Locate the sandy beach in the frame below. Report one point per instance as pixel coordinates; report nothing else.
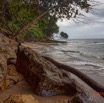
(53, 50)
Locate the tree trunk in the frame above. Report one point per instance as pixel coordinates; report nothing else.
(33, 21)
(28, 25)
(97, 87)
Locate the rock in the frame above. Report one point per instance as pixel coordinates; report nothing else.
(8, 47)
(11, 70)
(45, 78)
(7, 50)
(81, 98)
(21, 98)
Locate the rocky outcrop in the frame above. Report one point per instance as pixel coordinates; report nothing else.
(7, 50)
(7, 47)
(21, 98)
(45, 78)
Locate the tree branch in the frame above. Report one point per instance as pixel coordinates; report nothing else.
(36, 19)
(32, 22)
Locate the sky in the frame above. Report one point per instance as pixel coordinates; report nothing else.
(93, 28)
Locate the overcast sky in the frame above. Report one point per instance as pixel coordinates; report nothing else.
(92, 29)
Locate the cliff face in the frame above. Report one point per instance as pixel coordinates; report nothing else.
(7, 50)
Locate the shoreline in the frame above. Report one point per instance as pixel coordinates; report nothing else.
(49, 50)
(62, 58)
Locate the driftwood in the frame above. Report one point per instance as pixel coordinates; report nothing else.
(96, 86)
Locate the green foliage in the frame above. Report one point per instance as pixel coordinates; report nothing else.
(20, 13)
(17, 13)
(48, 25)
(64, 35)
(35, 31)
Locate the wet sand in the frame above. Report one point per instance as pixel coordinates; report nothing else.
(24, 88)
(16, 84)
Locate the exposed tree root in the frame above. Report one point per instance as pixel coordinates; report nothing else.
(96, 86)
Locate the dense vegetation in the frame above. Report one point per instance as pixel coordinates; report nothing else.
(19, 14)
(36, 18)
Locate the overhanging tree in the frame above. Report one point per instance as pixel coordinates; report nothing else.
(36, 9)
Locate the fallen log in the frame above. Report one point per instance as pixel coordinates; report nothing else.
(96, 86)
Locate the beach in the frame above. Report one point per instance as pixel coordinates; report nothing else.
(85, 55)
(74, 53)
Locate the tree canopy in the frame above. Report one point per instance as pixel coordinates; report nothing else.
(64, 35)
(21, 16)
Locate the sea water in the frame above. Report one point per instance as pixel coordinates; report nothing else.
(86, 55)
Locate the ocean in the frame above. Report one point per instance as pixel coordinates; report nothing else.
(90, 47)
(86, 55)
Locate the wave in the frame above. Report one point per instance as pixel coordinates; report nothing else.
(99, 42)
(83, 54)
(93, 65)
(90, 56)
(86, 63)
(73, 51)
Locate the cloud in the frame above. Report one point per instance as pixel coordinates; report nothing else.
(94, 28)
(64, 23)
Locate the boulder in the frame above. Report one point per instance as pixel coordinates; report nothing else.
(21, 98)
(81, 98)
(45, 78)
